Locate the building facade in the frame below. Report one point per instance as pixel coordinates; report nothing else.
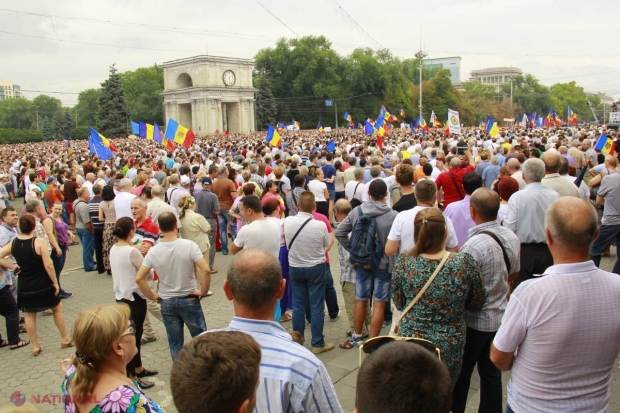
(9, 90)
(495, 75)
(453, 64)
(209, 94)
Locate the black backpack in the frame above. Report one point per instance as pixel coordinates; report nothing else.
(365, 248)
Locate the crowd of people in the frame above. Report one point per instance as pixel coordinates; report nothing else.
(472, 249)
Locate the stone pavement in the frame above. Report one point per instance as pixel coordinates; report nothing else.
(38, 377)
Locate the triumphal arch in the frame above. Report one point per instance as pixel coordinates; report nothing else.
(209, 93)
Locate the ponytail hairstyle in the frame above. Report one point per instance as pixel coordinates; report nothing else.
(429, 232)
(123, 227)
(185, 202)
(94, 332)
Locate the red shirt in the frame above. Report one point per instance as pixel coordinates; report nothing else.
(450, 192)
(322, 218)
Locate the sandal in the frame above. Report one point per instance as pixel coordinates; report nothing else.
(37, 351)
(74, 243)
(66, 345)
(213, 271)
(22, 343)
(286, 317)
(346, 345)
(4, 343)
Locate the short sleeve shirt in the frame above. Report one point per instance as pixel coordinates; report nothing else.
(147, 232)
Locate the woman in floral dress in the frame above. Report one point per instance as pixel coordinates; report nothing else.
(439, 314)
(96, 380)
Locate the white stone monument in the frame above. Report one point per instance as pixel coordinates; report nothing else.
(206, 92)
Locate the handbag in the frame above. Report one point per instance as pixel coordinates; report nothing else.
(422, 291)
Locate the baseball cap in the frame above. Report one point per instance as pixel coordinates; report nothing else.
(50, 180)
(2, 176)
(185, 180)
(206, 181)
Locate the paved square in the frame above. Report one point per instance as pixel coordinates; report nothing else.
(38, 377)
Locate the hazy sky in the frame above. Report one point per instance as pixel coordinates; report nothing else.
(67, 46)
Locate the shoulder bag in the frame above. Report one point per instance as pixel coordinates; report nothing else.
(297, 233)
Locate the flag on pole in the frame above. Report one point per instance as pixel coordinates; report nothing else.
(380, 142)
(319, 127)
(524, 121)
(179, 134)
(135, 128)
(157, 133)
(97, 146)
(331, 146)
(401, 112)
(368, 128)
(492, 128)
(273, 137)
(142, 128)
(572, 117)
(149, 131)
(69, 148)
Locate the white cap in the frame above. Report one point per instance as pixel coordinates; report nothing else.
(185, 180)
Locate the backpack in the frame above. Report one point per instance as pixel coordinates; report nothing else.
(365, 248)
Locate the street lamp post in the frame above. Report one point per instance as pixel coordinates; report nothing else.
(37, 118)
(420, 55)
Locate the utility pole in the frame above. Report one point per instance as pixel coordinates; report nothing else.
(76, 118)
(420, 55)
(511, 112)
(336, 112)
(37, 118)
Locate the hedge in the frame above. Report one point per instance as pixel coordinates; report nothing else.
(20, 136)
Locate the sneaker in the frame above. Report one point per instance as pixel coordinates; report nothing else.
(325, 348)
(48, 312)
(147, 373)
(225, 252)
(65, 294)
(147, 340)
(209, 293)
(145, 384)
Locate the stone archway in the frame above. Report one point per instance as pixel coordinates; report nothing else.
(184, 81)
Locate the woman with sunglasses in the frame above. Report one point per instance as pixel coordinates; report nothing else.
(125, 260)
(95, 378)
(439, 314)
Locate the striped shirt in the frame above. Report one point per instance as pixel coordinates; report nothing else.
(147, 232)
(488, 255)
(565, 327)
(93, 211)
(292, 379)
(348, 273)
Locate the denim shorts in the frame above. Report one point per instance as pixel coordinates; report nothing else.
(375, 283)
(332, 194)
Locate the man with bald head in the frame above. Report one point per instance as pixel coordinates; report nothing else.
(291, 377)
(514, 167)
(496, 251)
(552, 177)
(450, 182)
(564, 325)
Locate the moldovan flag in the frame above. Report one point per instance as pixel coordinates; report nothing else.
(69, 148)
(179, 134)
(149, 132)
(273, 137)
(605, 145)
(453, 122)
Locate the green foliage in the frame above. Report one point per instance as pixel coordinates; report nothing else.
(87, 107)
(20, 135)
(45, 124)
(46, 106)
(80, 133)
(266, 107)
(59, 127)
(69, 125)
(528, 94)
(113, 113)
(563, 95)
(143, 89)
(16, 113)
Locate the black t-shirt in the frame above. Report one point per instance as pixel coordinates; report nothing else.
(406, 202)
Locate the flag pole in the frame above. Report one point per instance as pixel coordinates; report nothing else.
(420, 55)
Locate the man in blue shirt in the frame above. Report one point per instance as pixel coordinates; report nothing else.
(329, 172)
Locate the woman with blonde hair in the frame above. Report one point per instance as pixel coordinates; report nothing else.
(194, 227)
(437, 313)
(141, 181)
(95, 379)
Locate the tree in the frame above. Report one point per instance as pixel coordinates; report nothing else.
(266, 107)
(46, 128)
(528, 94)
(87, 107)
(113, 113)
(563, 95)
(59, 126)
(69, 126)
(15, 113)
(45, 106)
(143, 88)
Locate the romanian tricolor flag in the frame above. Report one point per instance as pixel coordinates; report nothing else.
(605, 145)
(295, 123)
(423, 124)
(179, 134)
(401, 112)
(435, 123)
(150, 132)
(69, 148)
(549, 120)
(572, 117)
(319, 127)
(273, 137)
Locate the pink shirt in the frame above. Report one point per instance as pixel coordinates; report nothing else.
(322, 218)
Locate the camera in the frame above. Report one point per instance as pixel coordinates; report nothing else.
(461, 147)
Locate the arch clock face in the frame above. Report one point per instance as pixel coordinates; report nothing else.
(229, 78)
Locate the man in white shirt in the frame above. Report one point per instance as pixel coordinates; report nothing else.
(89, 183)
(175, 259)
(175, 196)
(514, 167)
(375, 173)
(563, 325)
(525, 217)
(260, 233)
(122, 202)
(355, 188)
(553, 179)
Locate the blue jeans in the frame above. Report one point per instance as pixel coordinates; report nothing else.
(88, 248)
(331, 299)
(179, 311)
(309, 290)
(508, 409)
(59, 263)
(224, 218)
(606, 235)
(373, 283)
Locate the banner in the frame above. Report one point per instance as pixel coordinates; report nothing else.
(454, 122)
(614, 117)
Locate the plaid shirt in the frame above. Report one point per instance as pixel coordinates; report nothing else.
(39, 232)
(347, 271)
(259, 180)
(488, 255)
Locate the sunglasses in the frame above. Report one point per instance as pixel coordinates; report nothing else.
(371, 345)
(131, 330)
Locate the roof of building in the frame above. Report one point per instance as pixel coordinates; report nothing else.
(220, 59)
(494, 70)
